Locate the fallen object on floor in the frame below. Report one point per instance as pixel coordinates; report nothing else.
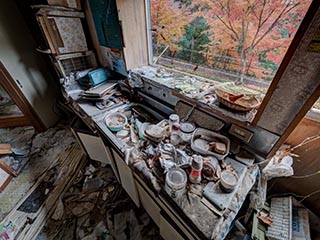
(59, 175)
(5, 148)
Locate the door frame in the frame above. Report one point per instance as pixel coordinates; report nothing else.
(29, 117)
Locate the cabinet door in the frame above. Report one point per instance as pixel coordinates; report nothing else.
(126, 178)
(149, 204)
(168, 231)
(132, 15)
(113, 164)
(95, 147)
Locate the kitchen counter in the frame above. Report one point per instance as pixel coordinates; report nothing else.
(192, 213)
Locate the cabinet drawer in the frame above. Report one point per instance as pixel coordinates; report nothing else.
(149, 204)
(126, 178)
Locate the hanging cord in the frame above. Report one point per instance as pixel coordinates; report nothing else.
(306, 176)
(306, 141)
(304, 197)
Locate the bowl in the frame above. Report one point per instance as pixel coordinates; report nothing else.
(154, 133)
(228, 181)
(115, 121)
(245, 103)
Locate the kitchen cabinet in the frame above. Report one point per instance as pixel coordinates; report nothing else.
(168, 230)
(126, 178)
(149, 204)
(93, 145)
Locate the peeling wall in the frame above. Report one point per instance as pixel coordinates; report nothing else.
(24, 63)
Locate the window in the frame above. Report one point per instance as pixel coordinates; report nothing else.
(316, 105)
(314, 112)
(239, 41)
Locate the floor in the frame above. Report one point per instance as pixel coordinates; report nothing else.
(91, 206)
(7, 106)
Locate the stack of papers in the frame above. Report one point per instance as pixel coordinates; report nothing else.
(100, 92)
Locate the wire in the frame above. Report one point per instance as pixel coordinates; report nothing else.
(304, 197)
(309, 195)
(306, 176)
(285, 194)
(306, 141)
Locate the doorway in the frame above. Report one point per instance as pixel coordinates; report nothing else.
(15, 110)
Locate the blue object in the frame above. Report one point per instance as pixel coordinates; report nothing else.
(120, 67)
(95, 77)
(98, 76)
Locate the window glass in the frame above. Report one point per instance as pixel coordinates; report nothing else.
(239, 41)
(317, 105)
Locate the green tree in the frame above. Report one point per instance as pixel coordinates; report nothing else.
(194, 40)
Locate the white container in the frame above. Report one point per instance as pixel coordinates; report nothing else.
(176, 180)
(173, 119)
(201, 132)
(186, 131)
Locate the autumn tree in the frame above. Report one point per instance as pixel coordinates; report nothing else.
(169, 19)
(252, 27)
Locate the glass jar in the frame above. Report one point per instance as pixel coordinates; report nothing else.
(175, 183)
(186, 131)
(173, 120)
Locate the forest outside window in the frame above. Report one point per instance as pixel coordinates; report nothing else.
(237, 45)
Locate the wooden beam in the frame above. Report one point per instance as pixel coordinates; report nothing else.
(287, 58)
(93, 33)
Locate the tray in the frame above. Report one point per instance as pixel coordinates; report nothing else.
(209, 135)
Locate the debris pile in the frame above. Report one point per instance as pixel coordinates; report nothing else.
(96, 207)
(32, 153)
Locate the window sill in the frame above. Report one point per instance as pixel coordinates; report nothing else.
(186, 85)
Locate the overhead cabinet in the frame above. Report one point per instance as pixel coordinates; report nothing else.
(63, 30)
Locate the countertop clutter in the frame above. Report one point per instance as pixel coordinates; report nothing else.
(193, 170)
(188, 167)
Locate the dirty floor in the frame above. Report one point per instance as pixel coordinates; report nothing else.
(92, 206)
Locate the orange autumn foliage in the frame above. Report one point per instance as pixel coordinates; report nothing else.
(168, 22)
(252, 27)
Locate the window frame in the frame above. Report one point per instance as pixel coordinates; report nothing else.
(313, 114)
(274, 83)
(308, 20)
